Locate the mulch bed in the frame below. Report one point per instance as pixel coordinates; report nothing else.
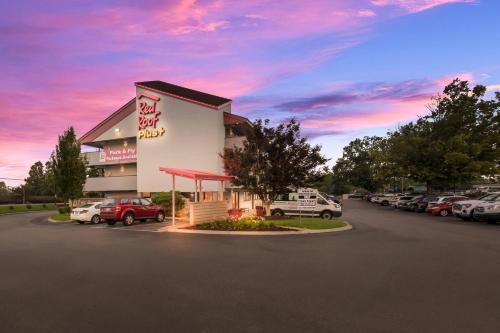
(271, 228)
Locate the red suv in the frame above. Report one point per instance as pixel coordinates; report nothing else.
(129, 209)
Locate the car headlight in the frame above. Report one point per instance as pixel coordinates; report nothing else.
(466, 205)
(492, 207)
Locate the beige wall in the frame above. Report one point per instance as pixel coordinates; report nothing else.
(127, 129)
(193, 139)
(200, 212)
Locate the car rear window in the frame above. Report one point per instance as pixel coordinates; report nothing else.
(109, 202)
(86, 206)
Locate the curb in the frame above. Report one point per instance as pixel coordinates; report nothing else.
(56, 221)
(300, 231)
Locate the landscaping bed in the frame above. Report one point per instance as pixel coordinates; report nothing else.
(11, 209)
(242, 224)
(259, 224)
(60, 217)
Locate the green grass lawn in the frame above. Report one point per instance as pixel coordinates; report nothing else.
(60, 217)
(310, 223)
(9, 209)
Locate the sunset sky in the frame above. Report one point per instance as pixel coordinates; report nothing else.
(344, 68)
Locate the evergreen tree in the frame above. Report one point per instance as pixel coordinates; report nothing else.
(35, 182)
(69, 167)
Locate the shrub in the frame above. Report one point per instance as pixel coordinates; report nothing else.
(28, 206)
(44, 206)
(64, 210)
(244, 223)
(164, 199)
(11, 207)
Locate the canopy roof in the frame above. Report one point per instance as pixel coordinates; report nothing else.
(195, 174)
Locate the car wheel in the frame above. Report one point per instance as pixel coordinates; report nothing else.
(472, 218)
(443, 212)
(160, 217)
(128, 219)
(326, 215)
(96, 219)
(81, 222)
(111, 222)
(277, 212)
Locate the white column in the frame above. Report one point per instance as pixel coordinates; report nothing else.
(173, 199)
(195, 190)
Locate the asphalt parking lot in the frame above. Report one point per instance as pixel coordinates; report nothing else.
(395, 272)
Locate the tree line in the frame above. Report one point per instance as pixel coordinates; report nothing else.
(62, 177)
(454, 144)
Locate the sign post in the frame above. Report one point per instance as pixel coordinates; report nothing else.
(308, 199)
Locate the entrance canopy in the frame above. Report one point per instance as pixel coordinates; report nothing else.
(195, 174)
(198, 177)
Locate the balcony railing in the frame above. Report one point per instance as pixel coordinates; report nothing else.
(107, 184)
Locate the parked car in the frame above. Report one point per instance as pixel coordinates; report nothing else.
(402, 201)
(488, 211)
(376, 198)
(421, 204)
(465, 209)
(412, 205)
(386, 199)
(356, 195)
(441, 199)
(129, 209)
(288, 205)
(444, 208)
(87, 213)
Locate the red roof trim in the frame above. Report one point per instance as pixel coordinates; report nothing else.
(144, 94)
(195, 174)
(214, 107)
(231, 119)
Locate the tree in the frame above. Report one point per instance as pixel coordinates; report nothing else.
(164, 199)
(358, 164)
(455, 143)
(35, 183)
(69, 167)
(273, 160)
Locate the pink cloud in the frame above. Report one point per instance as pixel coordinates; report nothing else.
(415, 6)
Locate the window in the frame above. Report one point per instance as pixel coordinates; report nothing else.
(136, 202)
(247, 196)
(109, 202)
(97, 206)
(322, 201)
(124, 201)
(146, 202)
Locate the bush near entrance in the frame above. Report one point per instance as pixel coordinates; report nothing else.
(164, 199)
(241, 224)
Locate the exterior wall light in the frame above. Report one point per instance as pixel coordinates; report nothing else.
(117, 130)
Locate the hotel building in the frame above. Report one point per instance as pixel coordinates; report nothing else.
(164, 125)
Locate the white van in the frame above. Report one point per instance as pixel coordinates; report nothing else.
(306, 203)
